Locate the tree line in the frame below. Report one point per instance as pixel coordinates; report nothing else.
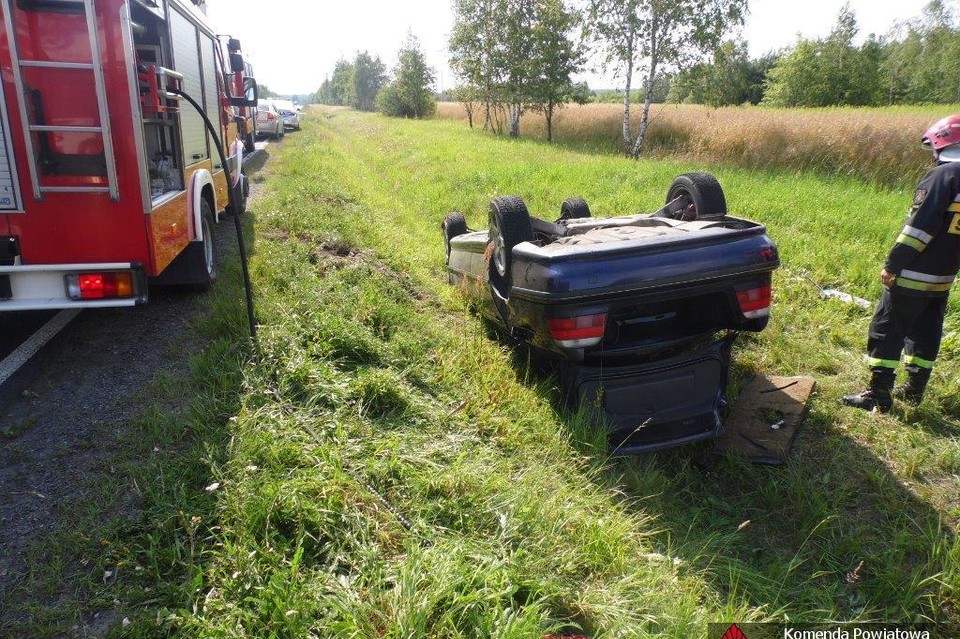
(365, 84)
(918, 61)
(519, 56)
(515, 56)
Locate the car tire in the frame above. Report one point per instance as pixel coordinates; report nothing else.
(574, 208)
(509, 226)
(454, 224)
(704, 192)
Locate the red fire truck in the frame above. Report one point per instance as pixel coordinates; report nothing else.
(108, 179)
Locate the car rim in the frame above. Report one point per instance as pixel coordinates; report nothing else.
(499, 251)
(692, 207)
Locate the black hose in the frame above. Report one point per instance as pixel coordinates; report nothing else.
(234, 206)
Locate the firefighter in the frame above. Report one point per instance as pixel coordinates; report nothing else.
(917, 277)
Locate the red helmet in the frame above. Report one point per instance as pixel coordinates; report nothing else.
(942, 133)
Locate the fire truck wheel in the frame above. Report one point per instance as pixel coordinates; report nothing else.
(204, 266)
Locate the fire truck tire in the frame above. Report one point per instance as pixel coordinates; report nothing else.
(203, 269)
(242, 193)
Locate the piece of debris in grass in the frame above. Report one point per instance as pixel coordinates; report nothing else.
(743, 525)
(853, 576)
(847, 298)
(456, 409)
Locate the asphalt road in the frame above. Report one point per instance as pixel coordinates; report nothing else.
(17, 327)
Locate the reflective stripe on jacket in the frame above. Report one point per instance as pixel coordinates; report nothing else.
(926, 256)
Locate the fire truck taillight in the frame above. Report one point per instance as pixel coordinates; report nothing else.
(579, 331)
(100, 286)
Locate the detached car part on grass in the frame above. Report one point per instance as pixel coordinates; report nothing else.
(641, 311)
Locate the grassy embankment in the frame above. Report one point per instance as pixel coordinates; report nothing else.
(507, 518)
(374, 373)
(879, 145)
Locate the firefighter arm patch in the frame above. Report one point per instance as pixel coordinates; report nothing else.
(919, 197)
(954, 224)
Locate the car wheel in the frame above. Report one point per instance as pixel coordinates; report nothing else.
(509, 226)
(704, 194)
(250, 142)
(574, 208)
(454, 224)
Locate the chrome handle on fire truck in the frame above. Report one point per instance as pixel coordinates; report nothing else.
(65, 129)
(44, 64)
(170, 73)
(75, 189)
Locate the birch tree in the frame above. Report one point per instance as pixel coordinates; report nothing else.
(557, 57)
(477, 49)
(657, 36)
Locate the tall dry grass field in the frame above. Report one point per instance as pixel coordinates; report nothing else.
(877, 145)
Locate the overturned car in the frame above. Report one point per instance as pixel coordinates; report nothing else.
(640, 311)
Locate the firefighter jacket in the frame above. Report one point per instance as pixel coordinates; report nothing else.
(926, 255)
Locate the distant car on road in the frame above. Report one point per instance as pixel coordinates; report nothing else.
(269, 120)
(290, 113)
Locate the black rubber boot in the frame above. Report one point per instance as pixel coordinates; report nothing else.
(912, 391)
(878, 396)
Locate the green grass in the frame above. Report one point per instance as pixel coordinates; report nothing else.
(385, 468)
(519, 521)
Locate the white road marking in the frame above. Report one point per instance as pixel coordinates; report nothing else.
(35, 342)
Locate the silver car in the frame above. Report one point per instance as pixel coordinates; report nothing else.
(290, 113)
(269, 120)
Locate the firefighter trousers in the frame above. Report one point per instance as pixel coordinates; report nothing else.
(909, 324)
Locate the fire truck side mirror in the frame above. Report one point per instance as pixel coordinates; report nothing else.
(251, 93)
(233, 45)
(236, 63)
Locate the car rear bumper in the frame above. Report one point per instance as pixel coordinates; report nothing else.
(655, 405)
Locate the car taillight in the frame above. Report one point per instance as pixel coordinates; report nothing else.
(755, 302)
(579, 331)
(270, 116)
(98, 286)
